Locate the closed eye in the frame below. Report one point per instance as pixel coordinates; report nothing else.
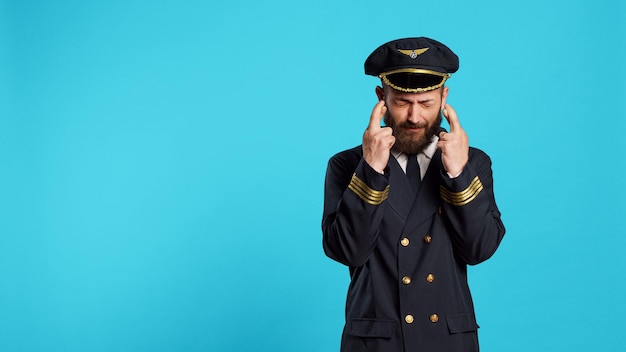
(427, 103)
(401, 102)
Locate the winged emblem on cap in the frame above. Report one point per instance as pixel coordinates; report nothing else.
(413, 53)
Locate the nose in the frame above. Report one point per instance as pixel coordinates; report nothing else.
(414, 113)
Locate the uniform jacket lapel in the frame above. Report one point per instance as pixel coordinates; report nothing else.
(427, 200)
(400, 194)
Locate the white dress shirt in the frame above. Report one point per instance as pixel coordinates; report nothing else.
(423, 158)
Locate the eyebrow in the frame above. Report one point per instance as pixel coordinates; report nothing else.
(422, 101)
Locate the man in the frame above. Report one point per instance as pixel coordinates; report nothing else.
(409, 209)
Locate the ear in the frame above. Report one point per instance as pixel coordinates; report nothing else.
(380, 93)
(444, 96)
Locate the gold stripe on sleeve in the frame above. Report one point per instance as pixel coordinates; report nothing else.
(463, 197)
(366, 193)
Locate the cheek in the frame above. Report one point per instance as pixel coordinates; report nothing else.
(393, 115)
(432, 114)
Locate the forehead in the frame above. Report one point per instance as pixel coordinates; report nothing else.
(421, 96)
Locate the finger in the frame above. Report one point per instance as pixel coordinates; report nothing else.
(387, 131)
(452, 118)
(377, 115)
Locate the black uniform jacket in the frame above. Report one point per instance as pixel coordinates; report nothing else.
(408, 254)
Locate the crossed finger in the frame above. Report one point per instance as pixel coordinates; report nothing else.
(377, 115)
(452, 118)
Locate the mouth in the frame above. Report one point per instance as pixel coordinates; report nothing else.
(413, 128)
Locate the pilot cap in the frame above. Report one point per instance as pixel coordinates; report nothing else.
(412, 64)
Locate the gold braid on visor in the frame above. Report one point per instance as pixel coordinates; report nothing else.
(417, 71)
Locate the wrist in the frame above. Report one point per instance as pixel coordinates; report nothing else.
(376, 166)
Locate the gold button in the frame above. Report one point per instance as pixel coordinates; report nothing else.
(404, 242)
(406, 280)
(428, 239)
(434, 318)
(430, 278)
(409, 319)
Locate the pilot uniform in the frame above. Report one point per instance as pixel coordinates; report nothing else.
(407, 251)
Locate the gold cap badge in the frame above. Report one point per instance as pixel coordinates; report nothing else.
(413, 53)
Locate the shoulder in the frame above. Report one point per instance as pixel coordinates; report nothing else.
(478, 155)
(347, 157)
(342, 165)
(479, 161)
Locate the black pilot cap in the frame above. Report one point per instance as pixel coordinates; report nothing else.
(412, 64)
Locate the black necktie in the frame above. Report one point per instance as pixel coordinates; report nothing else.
(413, 172)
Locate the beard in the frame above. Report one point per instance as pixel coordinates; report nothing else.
(407, 142)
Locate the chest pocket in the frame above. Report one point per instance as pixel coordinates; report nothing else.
(460, 323)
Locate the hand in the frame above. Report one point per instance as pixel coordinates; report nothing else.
(377, 141)
(454, 146)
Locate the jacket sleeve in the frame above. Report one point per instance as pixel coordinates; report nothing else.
(471, 211)
(354, 203)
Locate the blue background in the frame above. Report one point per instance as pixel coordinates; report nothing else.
(162, 165)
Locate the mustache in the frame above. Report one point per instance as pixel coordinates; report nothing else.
(407, 124)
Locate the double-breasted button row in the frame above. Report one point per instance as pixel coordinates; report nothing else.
(409, 319)
(407, 279)
(405, 241)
